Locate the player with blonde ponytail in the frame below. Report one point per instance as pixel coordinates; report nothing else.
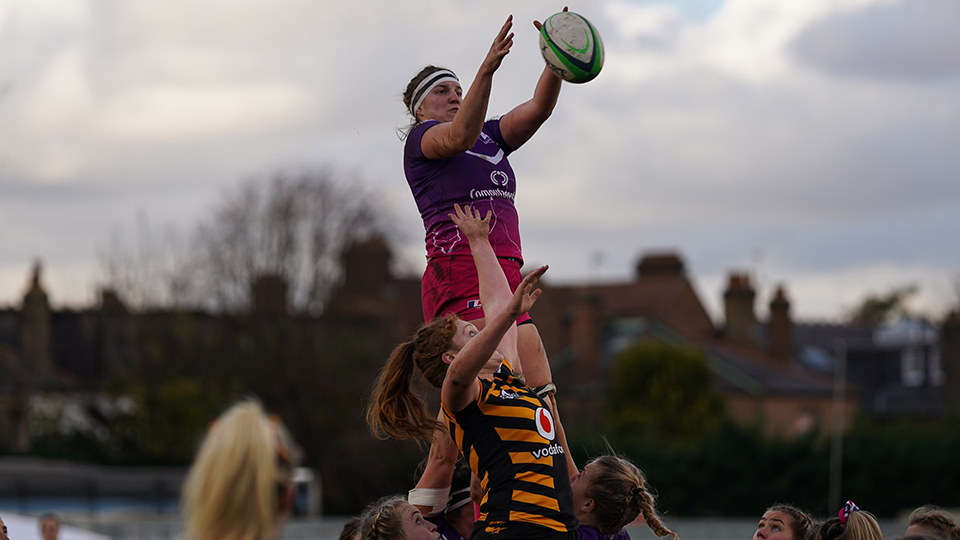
(608, 495)
(240, 484)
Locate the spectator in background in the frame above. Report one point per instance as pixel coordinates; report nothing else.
(49, 526)
(930, 520)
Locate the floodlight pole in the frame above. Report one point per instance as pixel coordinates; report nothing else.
(839, 416)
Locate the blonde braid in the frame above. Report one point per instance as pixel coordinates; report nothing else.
(381, 520)
(650, 515)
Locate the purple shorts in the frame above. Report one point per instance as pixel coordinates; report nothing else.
(450, 285)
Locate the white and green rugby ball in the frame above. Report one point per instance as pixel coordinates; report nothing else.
(571, 47)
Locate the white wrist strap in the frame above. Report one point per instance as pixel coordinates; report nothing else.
(433, 498)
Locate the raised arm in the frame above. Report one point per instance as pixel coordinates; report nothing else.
(518, 125)
(460, 384)
(448, 139)
(495, 291)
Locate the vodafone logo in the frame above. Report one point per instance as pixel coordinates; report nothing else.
(499, 178)
(544, 422)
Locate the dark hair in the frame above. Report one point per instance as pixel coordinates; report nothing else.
(620, 494)
(800, 521)
(460, 484)
(350, 529)
(860, 526)
(395, 410)
(382, 520)
(938, 519)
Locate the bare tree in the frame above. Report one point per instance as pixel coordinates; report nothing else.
(150, 269)
(289, 225)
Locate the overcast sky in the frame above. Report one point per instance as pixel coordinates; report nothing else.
(814, 143)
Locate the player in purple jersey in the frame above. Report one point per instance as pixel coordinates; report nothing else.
(453, 156)
(608, 495)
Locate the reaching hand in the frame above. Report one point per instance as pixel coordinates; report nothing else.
(500, 48)
(537, 24)
(526, 294)
(468, 220)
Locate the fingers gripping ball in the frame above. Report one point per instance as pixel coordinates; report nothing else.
(571, 46)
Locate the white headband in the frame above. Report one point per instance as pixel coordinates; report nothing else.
(427, 84)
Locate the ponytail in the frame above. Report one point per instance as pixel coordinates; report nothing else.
(646, 502)
(395, 411)
(620, 495)
(859, 525)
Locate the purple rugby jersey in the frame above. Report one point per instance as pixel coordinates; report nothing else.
(481, 177)
(586, 532)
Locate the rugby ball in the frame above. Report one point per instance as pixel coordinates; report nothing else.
(571, 47)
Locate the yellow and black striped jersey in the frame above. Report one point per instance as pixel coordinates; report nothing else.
(509, 439)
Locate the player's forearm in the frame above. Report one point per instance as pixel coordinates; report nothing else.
(495, 291)
(468, 123)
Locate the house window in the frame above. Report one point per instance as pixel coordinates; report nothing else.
(911, 367)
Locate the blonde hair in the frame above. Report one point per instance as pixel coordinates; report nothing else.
(383, 519)
(620, 494)
(243, 467)
(860, 525)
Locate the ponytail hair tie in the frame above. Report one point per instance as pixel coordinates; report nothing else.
(637, 490)
(844, 512)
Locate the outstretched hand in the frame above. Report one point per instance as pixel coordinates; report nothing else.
(500, 47)
(526, 294)
(537, 24)
(470, 223)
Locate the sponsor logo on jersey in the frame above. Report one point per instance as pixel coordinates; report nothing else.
(471, 304)
(491, 193)
(544, 421)
(549, 450)
(499, 178)
(494, 159)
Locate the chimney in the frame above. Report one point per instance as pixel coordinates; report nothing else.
(35, 333)
(269, 295)
(663, 264)
(366, 265)
(780, 328)
(110, 302)
(738, 309)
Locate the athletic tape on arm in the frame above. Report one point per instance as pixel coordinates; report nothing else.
(433, 498)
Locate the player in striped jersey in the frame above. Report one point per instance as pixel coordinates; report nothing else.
(504, 429)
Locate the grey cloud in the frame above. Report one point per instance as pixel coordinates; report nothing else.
(911, 39)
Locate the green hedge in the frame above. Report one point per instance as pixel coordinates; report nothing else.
(738, 471)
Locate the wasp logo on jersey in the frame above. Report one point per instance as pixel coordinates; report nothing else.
(506, 394)
(544, 421)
